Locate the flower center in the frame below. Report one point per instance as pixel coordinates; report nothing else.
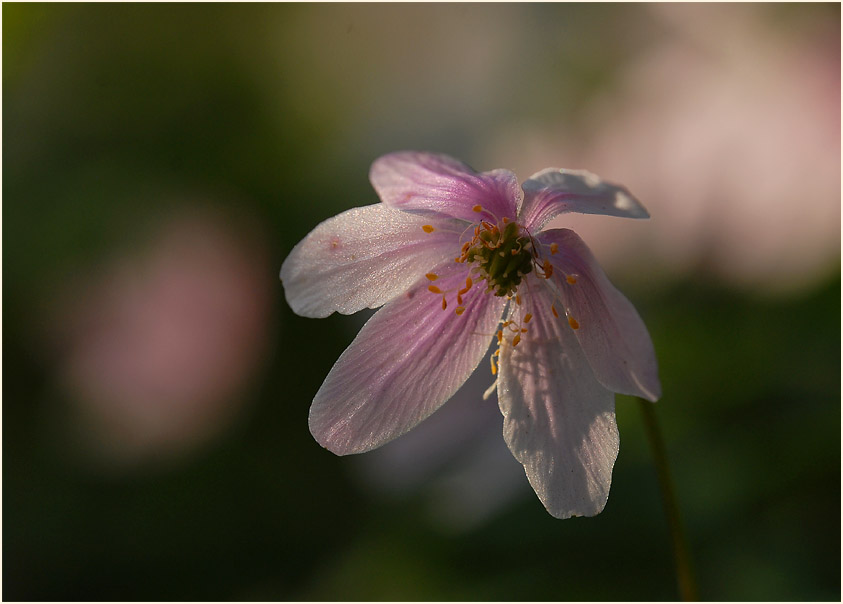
(501, 254)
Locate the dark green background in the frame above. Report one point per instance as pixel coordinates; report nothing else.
(105, 106)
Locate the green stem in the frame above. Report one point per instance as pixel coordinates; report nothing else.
(684, 574)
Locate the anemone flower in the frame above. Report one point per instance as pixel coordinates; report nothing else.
(459, 260)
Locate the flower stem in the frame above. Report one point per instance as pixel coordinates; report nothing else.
(684, 573)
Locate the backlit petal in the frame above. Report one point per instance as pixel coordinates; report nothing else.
(555, 191)
(428, 182)
(409, 359)
(559, 422)
(612, 334)
(363, 258)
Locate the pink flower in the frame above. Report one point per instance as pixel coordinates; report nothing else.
(458, 259)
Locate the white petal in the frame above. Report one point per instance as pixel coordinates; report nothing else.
(559, 422)
(555, 191)
(409, 359)
(363, 258)
(611, 333)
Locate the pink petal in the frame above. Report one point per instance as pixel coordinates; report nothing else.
(416, 181)
(363, 258)
(611, 333)
(555, 191)
(409, 359)
(559, 422)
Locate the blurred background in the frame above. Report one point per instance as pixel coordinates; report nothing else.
(160, 161)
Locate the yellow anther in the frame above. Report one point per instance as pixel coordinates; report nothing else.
(518, 299)
(573, 323)
(553, 309)
(554, 248)
(428, 229)
(500, 336)
(444, 303)
(468, 283)
(434, 289)
(515, 340)
(494, 367)
(477, 208)
(432, 276)
(505, 220)
(571, 279)
(527, 317)
(459, 298)
(460, 310)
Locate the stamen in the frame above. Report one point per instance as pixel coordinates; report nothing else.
(503, 254)
(553, 309)
(459, 299)
(494, 367)
(434, 289)
(477, 208)
(515, 340)
(518, 299)
(444, 303)
(573, 323)
(527, 317)
(460, 310)
(554, 248)
(500, 336)
(490, 390)
(571, 279)
(432, 276)
(468, 283)
(428, 228)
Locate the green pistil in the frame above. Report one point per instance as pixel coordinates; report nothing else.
(503, 259)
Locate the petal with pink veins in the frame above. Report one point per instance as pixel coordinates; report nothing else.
(363, 258)
(559, 421)
(427, 182)
(408, 359)
(610, 330)
(555, 191)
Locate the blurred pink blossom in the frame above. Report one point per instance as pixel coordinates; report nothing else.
(732, 140)
(161, 344)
